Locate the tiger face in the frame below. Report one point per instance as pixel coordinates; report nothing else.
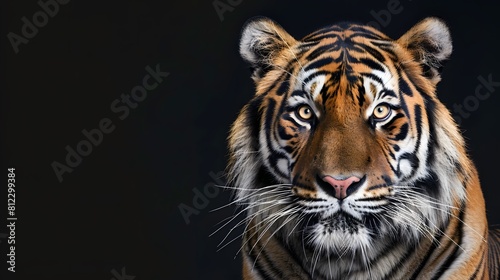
(345, 149)
(346, 140)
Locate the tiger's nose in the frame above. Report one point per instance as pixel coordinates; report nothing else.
(344, 186)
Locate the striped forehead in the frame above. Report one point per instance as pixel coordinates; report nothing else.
(345, 58)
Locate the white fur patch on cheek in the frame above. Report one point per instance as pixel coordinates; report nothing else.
(283, 165)
(302, 123)
(405, 167)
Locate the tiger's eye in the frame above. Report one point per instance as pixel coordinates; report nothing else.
(381, 112)
(305, 112)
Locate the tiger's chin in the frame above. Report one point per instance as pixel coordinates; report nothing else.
(341, 234)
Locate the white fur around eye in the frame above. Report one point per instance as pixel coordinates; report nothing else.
(315, 86)
(300, 121)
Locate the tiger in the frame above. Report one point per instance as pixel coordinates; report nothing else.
(346, 163)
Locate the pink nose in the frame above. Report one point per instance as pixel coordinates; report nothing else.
(340, 186)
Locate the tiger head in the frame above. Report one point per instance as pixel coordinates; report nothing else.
(345, 147)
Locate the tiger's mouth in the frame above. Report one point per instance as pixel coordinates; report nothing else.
(342, 222)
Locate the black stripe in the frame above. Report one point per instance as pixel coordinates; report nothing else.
(282, 133)
(375, 198)
(252, 256)
(324, 36)
(277, 273)
(372, 64)
(392, 167)
(269, 116)
(447, 264)
(383, 43)
(305, 46)
(274, 155)
(278, 81)
(418, 88)
(303, 186)
(319, 63)
(265, 178)
(396, 117)
(374, 52)
(300, 93)
(397, 268)
(365, 31)
(404, 87)
(388, 92)
(431, 250)
(387, 180)
(456, 252)
(432, 145)
(322, 50)
(474, 275)
(392, 155)
(327, 29)
(429, 185)
(356, 49)
(387, 47)
(292, 253)
(289, 149)
(387, 251)
(403, 132)
(370, 35)
(403, 101)
(253, 119)
(373, 77)
(315, 74)
(494, 253)
(290, 119)
(419, 124)
(361, 95)
(283, 88)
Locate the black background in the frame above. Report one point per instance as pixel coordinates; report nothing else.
(119, 208)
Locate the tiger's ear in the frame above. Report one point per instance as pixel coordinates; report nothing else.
(429, 42)
(262, 40)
